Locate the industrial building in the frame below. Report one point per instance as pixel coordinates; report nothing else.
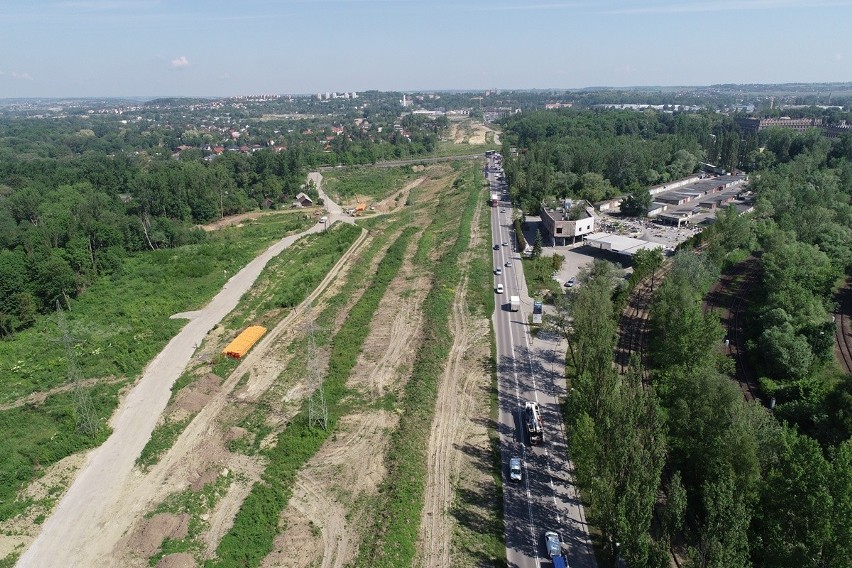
(619, 244)
(567, 221)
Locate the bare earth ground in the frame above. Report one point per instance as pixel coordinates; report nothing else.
(395, 202)
(252, 215)
(205, 440)
(468, 132)
(320, 525)
(459, 451)
(200, 456)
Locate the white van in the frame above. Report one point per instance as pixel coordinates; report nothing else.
(499, 288)
(323, 220)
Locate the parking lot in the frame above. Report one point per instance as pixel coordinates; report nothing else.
(579, 256)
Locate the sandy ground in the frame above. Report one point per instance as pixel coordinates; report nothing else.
(459, 438)
(232, 220)
(321, 524)
(396, 202)
(108, 492)
(469, 132)
(323, 512)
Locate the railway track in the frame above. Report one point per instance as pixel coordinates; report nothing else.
(843, 328)
(734, 286)
(736, 344)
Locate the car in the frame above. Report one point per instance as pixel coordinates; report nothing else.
(498, 271)
(515, 470)
(505, 244)
(496, 247)
(571, 282)
(553, 543)
(499, 288)
(508, 264)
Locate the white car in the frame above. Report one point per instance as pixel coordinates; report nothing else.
(499, 288)
(508, 264)
(498, 271)
(515, 470)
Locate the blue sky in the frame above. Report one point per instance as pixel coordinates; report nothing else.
(72, 48)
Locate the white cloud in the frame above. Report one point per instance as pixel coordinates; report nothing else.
(838, 57)
(24, 76)
(180, 62)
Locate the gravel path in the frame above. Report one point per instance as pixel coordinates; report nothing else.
(80, 517)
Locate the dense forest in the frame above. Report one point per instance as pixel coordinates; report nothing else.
(743, 485)
(79, 193)
(596, 155)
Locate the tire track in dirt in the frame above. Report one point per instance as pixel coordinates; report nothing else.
(320, 523)
(201, 439)
(449, 428)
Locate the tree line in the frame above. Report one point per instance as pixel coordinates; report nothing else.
(680, 460)
(69, 217)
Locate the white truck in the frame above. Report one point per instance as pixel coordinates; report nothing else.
(532, 420)
(514, 303)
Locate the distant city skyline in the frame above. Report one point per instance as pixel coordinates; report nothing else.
(147, 48)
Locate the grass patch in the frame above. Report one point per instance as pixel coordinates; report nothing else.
(539, 275)
(162, 438)
(393, 540)
(363, 182)
(194, 504)
(122, 321)
(291, 276)
(256, 524)
(10, 560)
(37, 436)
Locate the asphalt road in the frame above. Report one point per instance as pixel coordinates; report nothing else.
(531, 369)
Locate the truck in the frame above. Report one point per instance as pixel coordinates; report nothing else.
(532, 421)
(538, 308)
(553, 544)
(514, 303)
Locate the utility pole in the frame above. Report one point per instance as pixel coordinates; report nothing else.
(317, 409)
(84, 410)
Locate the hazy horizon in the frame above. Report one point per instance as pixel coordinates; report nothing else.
(217, 48)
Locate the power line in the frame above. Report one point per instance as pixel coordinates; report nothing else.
(84, 410)
(317, 409)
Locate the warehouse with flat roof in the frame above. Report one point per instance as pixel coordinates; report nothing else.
(619, 244)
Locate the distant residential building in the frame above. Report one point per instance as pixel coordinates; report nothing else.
(303, 200)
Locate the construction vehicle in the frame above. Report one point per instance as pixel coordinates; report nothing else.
(514, 303)
(532, 420)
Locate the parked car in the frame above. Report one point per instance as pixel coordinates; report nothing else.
(571, 282)
(515, 471)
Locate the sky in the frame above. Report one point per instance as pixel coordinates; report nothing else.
(150, 48)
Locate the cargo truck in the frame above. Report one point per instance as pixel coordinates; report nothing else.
(514, 303)
(535, 430)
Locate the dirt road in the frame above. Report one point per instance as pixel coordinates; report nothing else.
(71, 536)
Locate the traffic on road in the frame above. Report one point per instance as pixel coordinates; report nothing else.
(545, 522)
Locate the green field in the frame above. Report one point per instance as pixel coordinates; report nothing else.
(117, 326)
(366, 182)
